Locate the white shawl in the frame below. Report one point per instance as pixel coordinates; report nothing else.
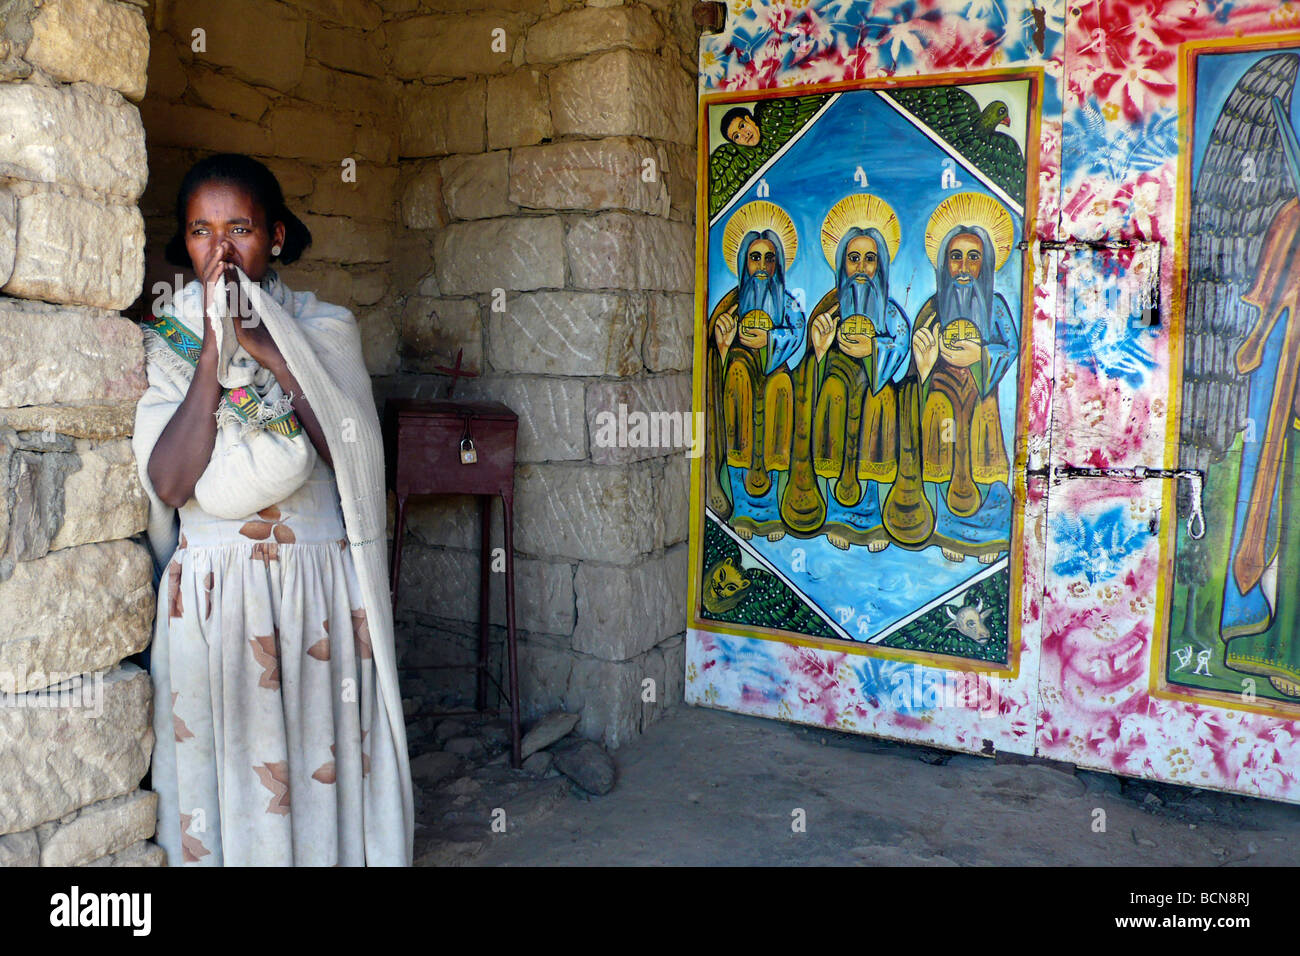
(322, 347)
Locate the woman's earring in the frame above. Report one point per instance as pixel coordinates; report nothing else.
(275, 250)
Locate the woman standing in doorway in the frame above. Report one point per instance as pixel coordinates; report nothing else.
(278, 720)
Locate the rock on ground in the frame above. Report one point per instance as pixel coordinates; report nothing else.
(554, 726)
(588, 765)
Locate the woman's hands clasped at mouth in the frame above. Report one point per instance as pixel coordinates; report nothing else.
(250, 331)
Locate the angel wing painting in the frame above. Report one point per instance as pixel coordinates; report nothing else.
(752, 138)
(1241, 388)
(978, 134)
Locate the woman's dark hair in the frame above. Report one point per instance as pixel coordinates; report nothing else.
(259, 182)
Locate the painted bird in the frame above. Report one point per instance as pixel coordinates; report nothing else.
(977, 134)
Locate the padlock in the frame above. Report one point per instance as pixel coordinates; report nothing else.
(468, 454)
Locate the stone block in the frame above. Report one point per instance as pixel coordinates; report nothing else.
(58, 759)
(679, 173)
(296, 179)
(192, 127)
(264, 43)
(344, 49)
(669, 333)
(608, 694)
(103, 499)
(513, 254)
(620, 172)
(528, 8)
(588, 512)
(98, 422)
(97, 41)
(675, 497)
(434, 330)
(452, 46)
(330, 283)
(365, 14)
(476, 187)
(339, 92)
(77, 251)
(304, 133)
(20, 849)
(99, 830)
(518, 110)
(625, 611)
(422, 203)
(450, 521)
(228, 95)
(167, 77)
(641, 418)
(581, 32)
(371, 196)
(8, 234)
(74, 611)
(438, 120)
(340, 239)
(446, 582)
(143, 853)
(56, 355)
(566, 333)
(551, 424)
(412, 264)
(368, 287)
(379, 341)
(618, 250)
(33, 469)
(78, 135)
(622, 93)
(376, 145)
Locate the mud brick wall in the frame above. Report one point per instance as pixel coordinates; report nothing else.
(306, 88)
(76, 593)
(546, 192)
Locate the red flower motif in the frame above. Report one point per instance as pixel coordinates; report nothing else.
(182, 732)
(266, 651)
(192, 849)
(275, 777)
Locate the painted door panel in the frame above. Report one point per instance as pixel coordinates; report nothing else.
(1128, 648)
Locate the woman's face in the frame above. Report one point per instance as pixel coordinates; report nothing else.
(220, 212)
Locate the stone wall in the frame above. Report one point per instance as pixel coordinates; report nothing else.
(76, 593)
(523, 190)
(547, 190)
(306, 88)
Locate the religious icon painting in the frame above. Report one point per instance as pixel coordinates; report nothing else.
(862, 348)
(1230, 611)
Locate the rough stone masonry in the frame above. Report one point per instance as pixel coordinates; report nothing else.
(547, 190)
(76, 593)
(521, 189)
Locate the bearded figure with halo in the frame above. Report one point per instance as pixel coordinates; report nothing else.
(846, 435)
(757, 334)
(951, 490)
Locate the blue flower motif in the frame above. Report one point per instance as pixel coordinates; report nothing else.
(1096, 548)
(1116, 148)
(1113, 345)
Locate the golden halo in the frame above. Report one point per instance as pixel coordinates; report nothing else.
(864, 211)
(971, 209)
(755, 217)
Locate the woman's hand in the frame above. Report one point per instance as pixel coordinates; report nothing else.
(218, 266)
(251, 332)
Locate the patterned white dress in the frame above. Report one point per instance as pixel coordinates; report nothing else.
(273, 747)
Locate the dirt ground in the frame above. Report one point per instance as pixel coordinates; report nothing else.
(703, 787)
